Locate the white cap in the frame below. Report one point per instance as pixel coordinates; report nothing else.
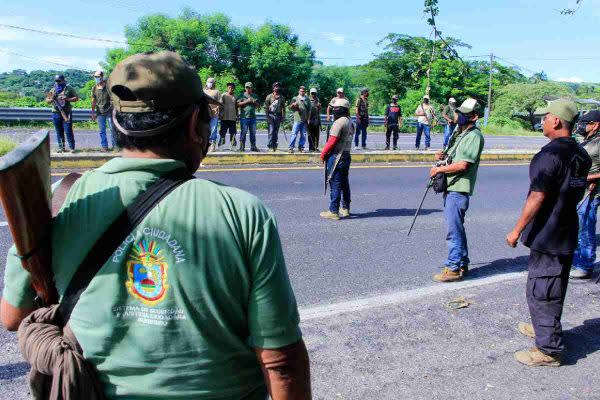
(313, 90)
(425, 97)
(340, 90)
(210, 80)
(452, 100)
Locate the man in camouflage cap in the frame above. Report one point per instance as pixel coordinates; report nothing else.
(201, 281)
(548, 226)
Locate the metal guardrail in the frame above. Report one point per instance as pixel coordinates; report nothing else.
(81, 114)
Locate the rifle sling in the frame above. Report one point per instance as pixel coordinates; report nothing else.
(116, 233)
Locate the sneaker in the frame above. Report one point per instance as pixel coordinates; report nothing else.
(395, 147)
(344, 213)
(427, 148)
(71, 151)
(213, 147)
(291, 150)
(535, 358)
(364, 147)
(274, 150)
(104, 150)
(387, 148)
(577, 273)
(356, 148)
(60, 150)
(255, 149)
(300, 150)
(526, 329)
(448, 275)
(330, 215)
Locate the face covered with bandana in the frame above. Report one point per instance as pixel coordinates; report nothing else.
(464, 119)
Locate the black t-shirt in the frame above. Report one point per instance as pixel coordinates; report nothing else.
(393, 112)
(559, 170)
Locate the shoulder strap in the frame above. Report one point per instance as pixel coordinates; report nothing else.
(116, 233)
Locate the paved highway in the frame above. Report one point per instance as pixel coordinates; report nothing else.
(375, 324)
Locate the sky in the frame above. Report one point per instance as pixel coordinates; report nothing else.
(531, 34)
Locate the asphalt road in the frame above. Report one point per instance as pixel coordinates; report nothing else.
(374, 322)
(86, 139)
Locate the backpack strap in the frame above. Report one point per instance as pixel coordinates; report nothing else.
(116, 233)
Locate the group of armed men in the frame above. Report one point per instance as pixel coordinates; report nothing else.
(197, 303)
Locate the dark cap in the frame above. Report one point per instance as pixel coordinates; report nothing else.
(59, 78)
(591, 116)
(151, 82)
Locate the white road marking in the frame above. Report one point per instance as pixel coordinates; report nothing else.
(345, 307)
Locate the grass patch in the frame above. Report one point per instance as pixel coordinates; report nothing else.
(6, 146)
(495, 130)
(87, 125)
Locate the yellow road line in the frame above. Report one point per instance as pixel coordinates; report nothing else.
(309, 168)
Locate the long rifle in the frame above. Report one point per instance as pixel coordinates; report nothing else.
(420, 206)
(66, 118)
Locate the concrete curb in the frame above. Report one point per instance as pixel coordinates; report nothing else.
(93, 160)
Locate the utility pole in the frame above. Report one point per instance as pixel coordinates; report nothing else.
(488, 109)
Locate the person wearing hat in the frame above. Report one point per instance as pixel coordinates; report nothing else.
(392, 122)
(202, 277)
(425, 118)
(229, 115)
(461, 158)
(588, 136)
(336, 156)
(275, 109)
(102, 110)
(61, 96)
(548, 226)
(215, 110)
(362, 118)
(248, 103)
(314, 121)
(449, 114)
(339, 95)
(301, 107)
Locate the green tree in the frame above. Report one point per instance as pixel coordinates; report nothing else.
(328, 78)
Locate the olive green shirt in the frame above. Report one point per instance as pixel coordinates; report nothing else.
(466, 146)
(229, 111)
(275, 105)
(177, 309)
(449, 112)
(67, 93)
(303, 110)
(592, 146)
(248, 111)
(102, 98)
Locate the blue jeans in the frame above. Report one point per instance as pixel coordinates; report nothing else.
(456, 205)
(248, 124)
(448, 130)
(339, 182)
(102, 121)
(299, 127)
(585, 254)
(361, 130)
(420, 129)
(62, 127)
(214, 125)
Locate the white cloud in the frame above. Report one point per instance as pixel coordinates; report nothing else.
(336, 38)
(369, 20)
(572, 79)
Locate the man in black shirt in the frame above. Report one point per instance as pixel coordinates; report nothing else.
(549, 225)
(393, 121)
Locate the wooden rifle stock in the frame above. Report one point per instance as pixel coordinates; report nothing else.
(26, 197)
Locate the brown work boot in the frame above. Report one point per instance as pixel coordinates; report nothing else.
(344, 213)
(526, 329)
(447, 275)
(330, 215)
(535, 358)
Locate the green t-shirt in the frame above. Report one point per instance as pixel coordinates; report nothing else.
(102, 97)
(68, 92)
(248, 111)
(467, 149)
(301, 113)
(175, 312)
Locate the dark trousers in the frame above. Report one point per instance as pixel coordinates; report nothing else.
(339, 182)
(546, 290)
(274, 124)
(63, 127)
(313, 136)
(361, 130)
(228, 126)
(391, 129)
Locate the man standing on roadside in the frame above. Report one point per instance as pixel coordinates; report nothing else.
(362, 118)
(275, 109)
(449, 114)
(301, 107)
(548, 226)
(392, 122)
(314, 121)
(215, 110)
(588, 130)
(229, 115)
(462, 163)
(61, 96)
(248, 103)
(102, 110)
(425, 115)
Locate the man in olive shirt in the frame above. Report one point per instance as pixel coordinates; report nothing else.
(61, 96)
(314, 121)
(102, 110)
(248, 103)
(588, 135)
(449, 114)
(301, 107)
(362, 118)
(196, 303)
(462, 158)
(275, 110)
(229, 115)
(215, 109)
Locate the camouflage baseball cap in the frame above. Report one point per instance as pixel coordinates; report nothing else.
(563, 109)
(151, 82)
(337, 102)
